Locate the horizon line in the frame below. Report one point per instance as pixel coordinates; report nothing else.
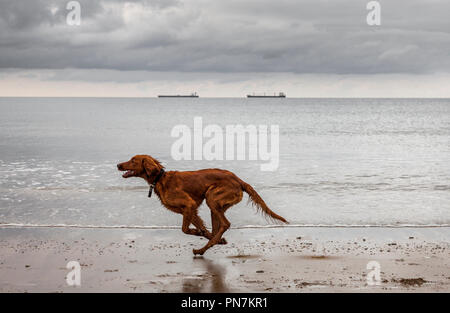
(212, 97)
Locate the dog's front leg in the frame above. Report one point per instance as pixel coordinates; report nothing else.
(187, 220)
(200, 225)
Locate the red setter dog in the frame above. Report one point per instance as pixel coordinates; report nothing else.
(184, 192)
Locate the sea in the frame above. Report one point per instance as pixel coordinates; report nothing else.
(342, 162)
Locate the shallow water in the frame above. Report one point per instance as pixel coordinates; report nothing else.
(342, 161)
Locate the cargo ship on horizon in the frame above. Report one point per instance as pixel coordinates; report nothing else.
(192, 95)
(279, 95)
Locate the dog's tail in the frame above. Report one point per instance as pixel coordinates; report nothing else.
(259, 202)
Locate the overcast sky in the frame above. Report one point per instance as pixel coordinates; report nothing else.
(311, 48)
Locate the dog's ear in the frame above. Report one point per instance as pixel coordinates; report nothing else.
(150, 167)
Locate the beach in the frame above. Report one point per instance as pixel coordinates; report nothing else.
(297, 259)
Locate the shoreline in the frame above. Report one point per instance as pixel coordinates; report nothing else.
(150, 227)
(255, 260)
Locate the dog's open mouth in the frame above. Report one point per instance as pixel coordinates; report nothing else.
(129, 173)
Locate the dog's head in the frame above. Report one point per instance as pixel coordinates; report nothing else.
(143, 166)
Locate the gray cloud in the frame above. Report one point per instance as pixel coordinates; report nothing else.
(313, 36)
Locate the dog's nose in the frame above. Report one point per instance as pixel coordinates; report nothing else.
(119, 166)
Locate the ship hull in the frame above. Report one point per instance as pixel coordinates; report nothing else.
(250, 96)
(177, 96)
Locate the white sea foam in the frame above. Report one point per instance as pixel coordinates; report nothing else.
(31, 225)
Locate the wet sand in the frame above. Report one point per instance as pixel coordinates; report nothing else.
(255, 260)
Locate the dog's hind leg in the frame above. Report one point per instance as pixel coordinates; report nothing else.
(202, 231)
(219, 199)
(215, 228)
(224, 224)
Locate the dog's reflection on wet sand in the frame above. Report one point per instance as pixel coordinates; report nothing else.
(210, 279)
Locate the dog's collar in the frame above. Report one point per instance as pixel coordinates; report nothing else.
(152, 185)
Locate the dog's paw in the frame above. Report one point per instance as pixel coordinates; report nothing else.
(198, 251)
(223, 241)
